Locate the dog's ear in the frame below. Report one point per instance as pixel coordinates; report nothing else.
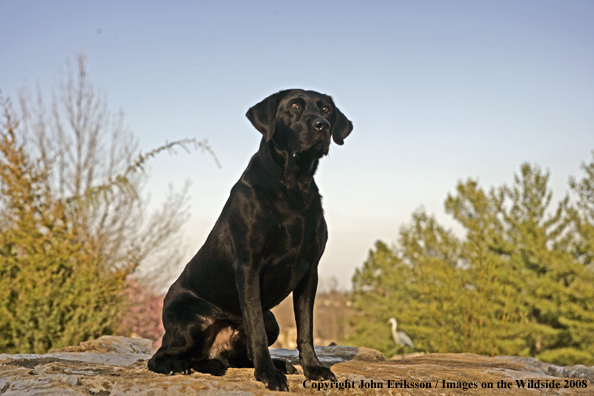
(263, 115)
(342, 127)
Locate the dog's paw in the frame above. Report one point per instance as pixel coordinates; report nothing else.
(284, 366)
(169, 366)
(210, 366)
(273, 379)
(318, 373)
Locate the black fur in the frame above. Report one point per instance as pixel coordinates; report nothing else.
(266, 244)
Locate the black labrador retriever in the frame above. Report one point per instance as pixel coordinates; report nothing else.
(266, 244)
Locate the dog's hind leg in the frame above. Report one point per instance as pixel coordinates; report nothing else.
(189, 334)
(272, 332)
(239, 358)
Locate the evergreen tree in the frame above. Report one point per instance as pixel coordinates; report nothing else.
(519, 282)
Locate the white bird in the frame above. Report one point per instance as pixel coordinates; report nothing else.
(400, 337)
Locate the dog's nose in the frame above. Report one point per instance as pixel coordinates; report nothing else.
(321, 124)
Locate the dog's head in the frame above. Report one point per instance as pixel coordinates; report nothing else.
(298, 121)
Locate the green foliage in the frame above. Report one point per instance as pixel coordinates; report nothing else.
(73, 226)
(566, 356)
(54, 289)
(519, 282)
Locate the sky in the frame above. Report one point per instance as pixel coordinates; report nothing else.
(438, 92)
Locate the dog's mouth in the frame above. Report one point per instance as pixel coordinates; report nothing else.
(318, 150)
(320, 146)
(315, 151)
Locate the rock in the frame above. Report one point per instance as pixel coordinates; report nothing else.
(407, 356)
(112, 344)
(119, 351)
(117, 366)
(577, 371)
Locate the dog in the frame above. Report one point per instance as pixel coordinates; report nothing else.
(266, 243)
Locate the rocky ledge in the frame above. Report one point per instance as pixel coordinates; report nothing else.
(117, 366)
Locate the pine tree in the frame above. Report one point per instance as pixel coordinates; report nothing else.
(519, 282)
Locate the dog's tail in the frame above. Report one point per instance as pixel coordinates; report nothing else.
(210, 366)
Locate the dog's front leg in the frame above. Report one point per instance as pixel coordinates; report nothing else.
(303, 303)
(248, 286)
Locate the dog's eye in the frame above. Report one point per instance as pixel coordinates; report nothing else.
(294, 105)
(326, 109)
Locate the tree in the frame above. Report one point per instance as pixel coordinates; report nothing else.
(515, 284)
(581, 214)
(54, 291)
(91, 157)
(73, 225)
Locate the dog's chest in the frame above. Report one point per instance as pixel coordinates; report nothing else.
(295, 228)
(293, 243)
(292, 250)
(295, 238)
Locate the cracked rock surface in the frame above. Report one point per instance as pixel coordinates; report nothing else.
(117, 366)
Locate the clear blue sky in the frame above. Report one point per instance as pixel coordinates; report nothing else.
(438, 91)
